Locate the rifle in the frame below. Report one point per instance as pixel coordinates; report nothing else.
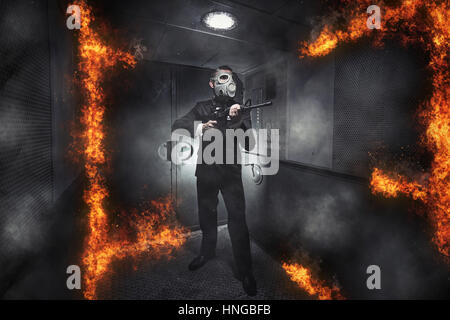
(223, 115)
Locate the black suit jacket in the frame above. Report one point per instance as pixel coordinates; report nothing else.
(202, 112)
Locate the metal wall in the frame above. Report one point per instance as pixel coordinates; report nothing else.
(337, 223)
(26, 178)
(310, 111)
(375, 95)
(64, 94)
(339, 108)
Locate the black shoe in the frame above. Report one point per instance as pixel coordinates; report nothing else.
(249, 285)
(198, 262)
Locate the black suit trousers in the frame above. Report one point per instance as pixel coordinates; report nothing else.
(228, 180)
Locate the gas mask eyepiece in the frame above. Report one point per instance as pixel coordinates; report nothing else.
(224, 84)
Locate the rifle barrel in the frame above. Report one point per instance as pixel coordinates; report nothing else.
(264, 104)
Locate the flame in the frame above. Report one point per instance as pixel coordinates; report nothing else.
(314, 287)
(154, 233)
(391, 187)
(154, 237)
(425, 23)
(356, 27)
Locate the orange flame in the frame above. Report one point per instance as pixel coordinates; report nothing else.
(314, 287)
(426, 23)
(153, 232)
(391, 187)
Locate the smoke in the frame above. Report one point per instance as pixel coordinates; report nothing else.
(24, 230)
(18, 21)
(325, 225)
(336, 220)
(25, 134)
(311, 127)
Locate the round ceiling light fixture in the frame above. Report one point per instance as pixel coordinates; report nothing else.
(219, 20)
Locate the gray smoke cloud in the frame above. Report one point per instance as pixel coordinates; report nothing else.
(324, 224)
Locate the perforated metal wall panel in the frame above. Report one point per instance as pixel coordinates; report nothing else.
(375, 96)
(25, 124)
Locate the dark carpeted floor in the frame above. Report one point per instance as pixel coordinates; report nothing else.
(44, 275)
(171, 279)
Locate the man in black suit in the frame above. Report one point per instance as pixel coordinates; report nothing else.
(226, 178)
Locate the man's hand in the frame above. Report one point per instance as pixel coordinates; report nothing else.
(234, 110)
(208, 125)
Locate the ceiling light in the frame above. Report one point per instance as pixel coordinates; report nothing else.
(219, 20)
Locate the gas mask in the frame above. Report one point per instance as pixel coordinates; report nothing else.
(224, 84)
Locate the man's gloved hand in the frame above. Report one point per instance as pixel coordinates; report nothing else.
(235, 117)
(234, 110)
(208, 125)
